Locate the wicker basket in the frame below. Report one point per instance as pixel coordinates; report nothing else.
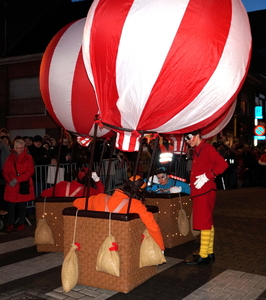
(169, 206)
(92, 229)
(54, 218)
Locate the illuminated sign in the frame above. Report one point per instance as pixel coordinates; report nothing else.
(259, 130)
(259, 137)
(258, 112)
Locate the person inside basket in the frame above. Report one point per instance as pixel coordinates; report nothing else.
(119, 201)
(162, 183)
(76, 188)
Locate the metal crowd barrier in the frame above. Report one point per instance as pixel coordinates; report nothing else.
(120, 170)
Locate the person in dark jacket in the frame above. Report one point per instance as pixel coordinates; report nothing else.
(18, 167)
(39, 153)
(4, 153)
(41, 157)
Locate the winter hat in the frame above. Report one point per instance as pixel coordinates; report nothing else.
(37, 138)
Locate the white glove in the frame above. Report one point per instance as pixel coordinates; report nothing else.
(201, 180)
(13, 182)
(153, 180)
(175, 189)
(95, 177)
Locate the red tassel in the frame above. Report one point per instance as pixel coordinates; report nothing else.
(142, 237)
(78, 245)
(114, 248)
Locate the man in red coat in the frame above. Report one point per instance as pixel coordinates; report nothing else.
(118, 203)
(206, 166)
(75, 188)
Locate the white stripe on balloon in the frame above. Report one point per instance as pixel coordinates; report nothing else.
(145, 42)
(219, 89)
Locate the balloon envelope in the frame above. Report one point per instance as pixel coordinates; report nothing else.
(65, 87)
(165, 66)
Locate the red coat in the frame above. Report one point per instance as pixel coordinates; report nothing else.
(97, 203)
(71, 189)
(25, 167)
(206, 159)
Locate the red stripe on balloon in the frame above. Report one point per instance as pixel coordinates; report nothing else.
(83, 104)
(45, 70)
(103, 52)
(223, 110)
(189, 49)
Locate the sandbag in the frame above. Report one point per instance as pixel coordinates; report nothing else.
(182, 222)
(150, 252)
(108, 259)
(43, 234)
(69, 271)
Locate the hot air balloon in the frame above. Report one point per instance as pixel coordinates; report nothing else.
(165, 66)
(66, 90)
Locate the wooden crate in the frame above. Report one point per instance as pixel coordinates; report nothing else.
(92, 229)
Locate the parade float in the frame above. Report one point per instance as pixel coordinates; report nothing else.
(150, 67)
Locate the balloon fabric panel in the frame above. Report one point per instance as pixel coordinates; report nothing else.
(222, 88)
(83, 102)
(192, 59)
(44, 73)
(104, 54)
(61, 75)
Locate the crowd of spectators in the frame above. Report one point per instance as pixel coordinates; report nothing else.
(246, 164)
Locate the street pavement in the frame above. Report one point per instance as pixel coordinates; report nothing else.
(239, 271)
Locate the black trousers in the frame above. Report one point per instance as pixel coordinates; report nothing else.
(21, 212)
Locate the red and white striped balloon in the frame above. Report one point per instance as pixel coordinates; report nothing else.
(65, 87)
(165, 65)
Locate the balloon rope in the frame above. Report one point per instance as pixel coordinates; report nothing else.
(75, 227)
(90, 165)
(152, 164)
(110, 223)
(180, 157)
(135, 171)
(180, 201)
(44, 202)
(101, 158)
(109, 163)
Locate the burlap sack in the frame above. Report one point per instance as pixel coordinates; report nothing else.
(69, 271)
(150, 252)
(43, 234)
(182, 222)
(108, 259)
